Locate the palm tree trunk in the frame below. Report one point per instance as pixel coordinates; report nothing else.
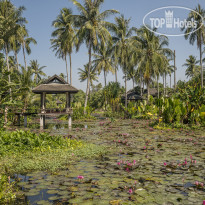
(133, 81)
(165, 88)
(105, 78)
(158, 86)
(66, 68)
(141, 85)
(116, 74)
(17, 60)
(201, 64)
(70, 69)
(8, 68)
(24, 55)
(88, 80)
(163, 85)
(125, 91)
(175, 83)
(148, 91)
(5, 116)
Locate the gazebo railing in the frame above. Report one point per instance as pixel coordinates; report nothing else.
(56, 110)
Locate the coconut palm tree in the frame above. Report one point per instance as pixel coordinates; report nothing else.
(122, 43)
(152, 54)
(25, 41)
(192, 69)
(10, 21)
(92, 29)
(197, 34)
(65, 32)
(103, 61)
(84, 74)
(37, 70)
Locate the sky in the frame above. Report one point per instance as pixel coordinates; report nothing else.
(41, 13)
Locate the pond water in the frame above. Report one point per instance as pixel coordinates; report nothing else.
(142, 166)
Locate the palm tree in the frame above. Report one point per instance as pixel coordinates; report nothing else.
(25, 41)
(37, 70)
(65, 32)
(152, 54)
(103, 61)
(26, 84)
(92, 29)
(84, 75)
(197, 34)
(122, 41)
(193, 69)
(16, 47)
(10, 21)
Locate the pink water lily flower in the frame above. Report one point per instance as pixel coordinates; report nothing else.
(80, 177)
(165, 164)
(130, 191)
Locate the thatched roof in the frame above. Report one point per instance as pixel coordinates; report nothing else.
(152, 91)
(55, 85)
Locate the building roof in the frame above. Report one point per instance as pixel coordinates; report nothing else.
(55, 85)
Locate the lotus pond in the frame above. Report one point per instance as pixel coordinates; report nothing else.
(141, 165)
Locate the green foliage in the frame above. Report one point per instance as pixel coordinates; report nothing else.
(22, 141)
(7, 194)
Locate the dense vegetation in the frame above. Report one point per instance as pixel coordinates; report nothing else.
(144, 58)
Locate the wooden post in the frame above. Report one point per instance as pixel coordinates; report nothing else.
(42, 122)
(68, 98)
(43, 111)
(18, 120)
(25, 120)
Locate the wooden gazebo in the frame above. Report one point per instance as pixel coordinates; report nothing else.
(55, 85)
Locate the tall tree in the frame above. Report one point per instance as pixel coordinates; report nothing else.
(153, 54)
(192, 69)
(64, 33)
(84, 75)
(197, 34)
(123, 45)
(103, 61)
(92, 29)
(25, 41)
(10, 21)
(37, 70)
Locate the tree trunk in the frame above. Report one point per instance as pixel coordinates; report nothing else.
(165, 88)
(116, 74)
(133, 81)
(201, 64)
(158, 86)
(148, 91)
(163, 85)
(66, 68)
(5, 116)
(141, 85)
(88, 80)
(8, 68)
(125, 91)
(70, 69)
(17, 60)
(170, 80)
(24, 55)
(105, 78)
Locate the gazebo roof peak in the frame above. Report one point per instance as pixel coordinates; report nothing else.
(55, 79)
